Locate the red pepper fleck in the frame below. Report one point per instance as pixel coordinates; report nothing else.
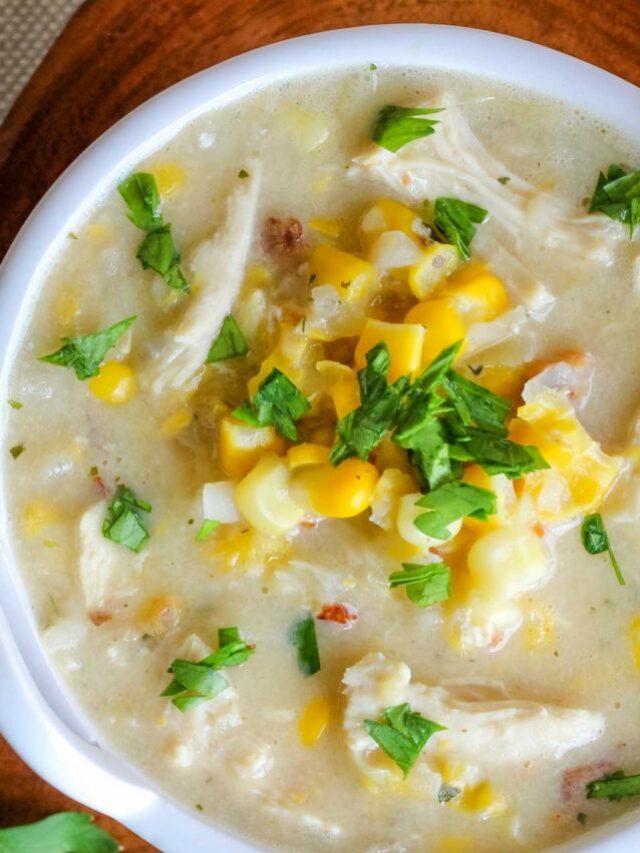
(341, 614)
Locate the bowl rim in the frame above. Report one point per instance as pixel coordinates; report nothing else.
(42, 723)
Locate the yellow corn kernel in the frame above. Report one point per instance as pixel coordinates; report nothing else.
(506, 380)
(443, 324)
(39, 514)
(538, 627)
(288, 356)
(328, 227)
(478, 294)
(115, 384)
(481, 799)
(99, 232)
(343, 386)
(314, 721)
(392, 485)
(241, 445)
(307, 454)
(634, 632)
(438, 261)
(158, 614)
(264, 497)
(454, 844)
(336, 492)
(169, 178)
(405, 342)
(176, 422)
(387, 214)
(66, 308)
(239, 546)
(258, 276)
(351, 277)
(506, 562)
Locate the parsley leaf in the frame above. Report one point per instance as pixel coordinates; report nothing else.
(402, 734)
(58, 833)
(17, 450)
(302, 634)
(86, 353)
(617, 195)
(123, 523)
(359, 431)
(455, 221)
(141, 196)
(277, 403)
(425, 584)
(450, 502)
(496, 454)
(596, 540)
(429, 453)
(158, 252)
(15, 404)
(206, 529)
(614, 787)
(475, 404)
(230, 342)
(196, 682)
(397, 126)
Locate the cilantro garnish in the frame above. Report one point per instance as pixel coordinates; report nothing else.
(243, 173)
(17, 450)
(15, 404)
(455, 220)
(196, 682)
(617, 195)
(397, 126)
(595, 540)
(206, 529)
(58, 833)
(86, 353)
(402, 734)
(424, 584)
(452, 501)
(277, 403)
(157, 251)
(302, 634)
(616, 786)
(230, 342)
(124, 521)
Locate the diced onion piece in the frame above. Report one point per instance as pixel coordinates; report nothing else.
(218, 502)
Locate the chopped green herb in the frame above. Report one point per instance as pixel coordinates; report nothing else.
(617, 195)
(277, 403)
(158, 252)
(581, 817)
(196, 682)
(373, 66)
(86, 353)
(616, 786)
(447, 793)
(455, 221)
(397, 126)
(402, 734)
(93, 471)
(476, 370)
(206, 529)
(124, 521)
(66, 832)
(141, 196)
(504, 179)
(595, 540)
(302, 634)
(199, 807)
(14, 404)
(230, 342)
(477, 405)
(496, 454)
(72, 235)
(452, 501)
(243, 173)
(358, 432)
(17, 450)
(425, 584)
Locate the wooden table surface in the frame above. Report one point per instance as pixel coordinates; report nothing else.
(114, 54)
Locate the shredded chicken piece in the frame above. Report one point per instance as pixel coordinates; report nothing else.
(217, 267)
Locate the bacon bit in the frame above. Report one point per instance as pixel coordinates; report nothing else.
(575, 779)
(538, 529)
(341, 614)
(98, 617)
(283, 236)
(100, 484)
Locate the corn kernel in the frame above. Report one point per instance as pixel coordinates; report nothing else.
(258, 276)
(264, 499)
(100, 232)
(307, 454)
(481, 799)
(478, 295)
(115, 384)
(169, 178)
(350, 276)
(387, 214)
(336, 492)
(454, 844)
(437, 262)
(66, 308)
(405, 342)
(314, 721)
(176, 422)
(506, 562)
(158, 614)
(288, 356)
(506, 380)
(39, 514)
(241, 445)
(443, 323)
(329, 227)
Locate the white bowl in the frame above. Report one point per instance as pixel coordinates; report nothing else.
(37, 716)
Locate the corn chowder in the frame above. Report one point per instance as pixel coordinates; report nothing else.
(321, 452)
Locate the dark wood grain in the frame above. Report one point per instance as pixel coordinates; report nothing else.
(115, 54)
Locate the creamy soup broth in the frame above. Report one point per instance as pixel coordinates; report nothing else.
(252, 759)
